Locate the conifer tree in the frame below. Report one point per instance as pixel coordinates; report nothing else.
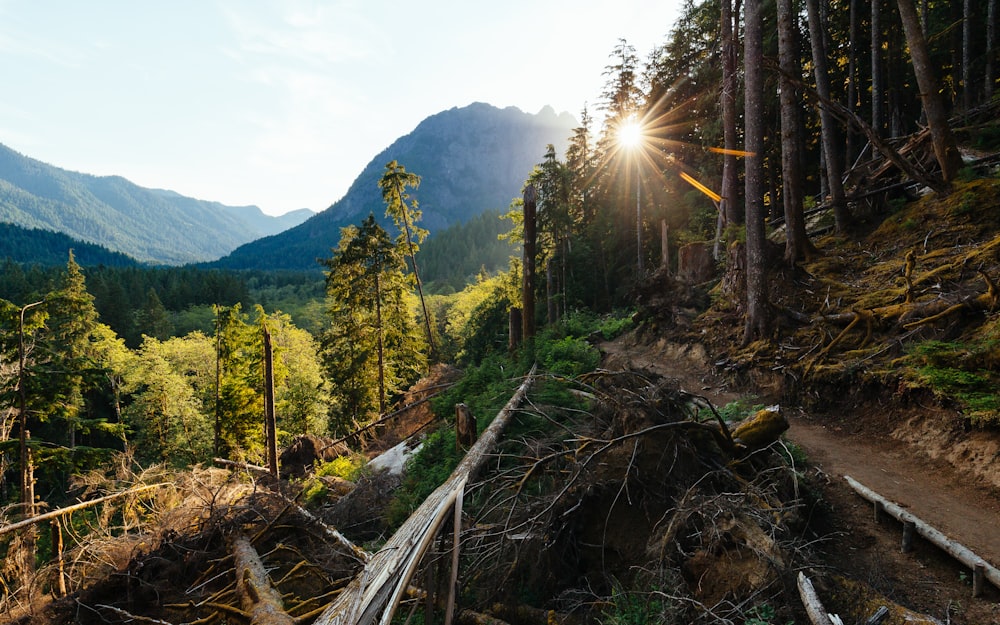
(369, 349)
(405, 214)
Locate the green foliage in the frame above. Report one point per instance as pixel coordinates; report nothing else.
(963, 372)
(635, 607)
(371, 348)
(569, 356)
(763, 614)
(347, 467)
(738, 410)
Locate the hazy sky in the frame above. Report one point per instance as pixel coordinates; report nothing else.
(281, 103)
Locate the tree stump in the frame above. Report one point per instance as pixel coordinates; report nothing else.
(465, 427)
(695, 263)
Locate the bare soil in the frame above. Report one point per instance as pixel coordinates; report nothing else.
(921, 473)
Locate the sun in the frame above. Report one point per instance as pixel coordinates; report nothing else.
(630, 133)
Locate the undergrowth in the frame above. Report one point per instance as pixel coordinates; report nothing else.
(962, 371)
(562, 350)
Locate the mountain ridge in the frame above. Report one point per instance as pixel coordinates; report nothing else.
(471, 159)
(153, 226)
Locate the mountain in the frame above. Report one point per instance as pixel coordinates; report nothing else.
(151, 225)
(470, 159)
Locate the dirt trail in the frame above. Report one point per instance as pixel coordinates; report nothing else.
(933, 490)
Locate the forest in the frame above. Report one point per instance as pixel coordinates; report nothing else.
(760, 141)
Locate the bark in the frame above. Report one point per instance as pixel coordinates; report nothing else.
(878, 89)
(797, 244)
(729, 205)
(952, 547)
(528, 277)
(991, 42)
(253, 586)
(465, 427)
(828, 128)
(270, 424)
(757, 313)
(945, 148)
(852, 79)
(375, 592)
(68, 509)
(967, 90)
(814, 607)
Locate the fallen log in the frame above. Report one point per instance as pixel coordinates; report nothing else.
(79, 506)
(814, 607)
(374, 593)
(981, 569)
(253, 586)
(760, 430)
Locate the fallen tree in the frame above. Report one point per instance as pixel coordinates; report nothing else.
(375, 592)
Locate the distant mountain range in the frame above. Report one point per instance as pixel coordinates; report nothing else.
(470, 160)
(150, 225)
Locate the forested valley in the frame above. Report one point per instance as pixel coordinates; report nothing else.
(787, 208)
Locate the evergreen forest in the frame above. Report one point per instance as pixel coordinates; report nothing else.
(709, 195)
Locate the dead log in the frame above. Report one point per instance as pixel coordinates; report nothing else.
(375, 592)
(68, 509)
(332, 533)
(814, 607)
(253, 586)
(950, 546)
(244, 466)
(762, 429)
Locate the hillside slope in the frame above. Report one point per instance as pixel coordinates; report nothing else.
(151, 225)
(470, 160)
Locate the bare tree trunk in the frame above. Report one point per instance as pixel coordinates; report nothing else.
(381, 343)
(945, 148)
(852, 80)
(757, 313)
(827, 120)
(967, 90)
(991, 42)
(797, 245)
(270, 423)
(729, 206)
(528, 278)
(878, 89)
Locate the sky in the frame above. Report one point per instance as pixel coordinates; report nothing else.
(281, 103)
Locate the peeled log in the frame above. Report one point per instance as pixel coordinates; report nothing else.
(814, 607)
(762, 429)
(259, 598)
(950, 546)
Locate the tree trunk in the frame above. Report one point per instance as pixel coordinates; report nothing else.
(757, 313)
(261, 600)
(828, 128)
(945, 148)
(381, 343)
(528, 277)
(797, 245)
(878, 89)
(729, 206)
(967, 90)
(852, 80)
(991, 42)
(270, 423)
